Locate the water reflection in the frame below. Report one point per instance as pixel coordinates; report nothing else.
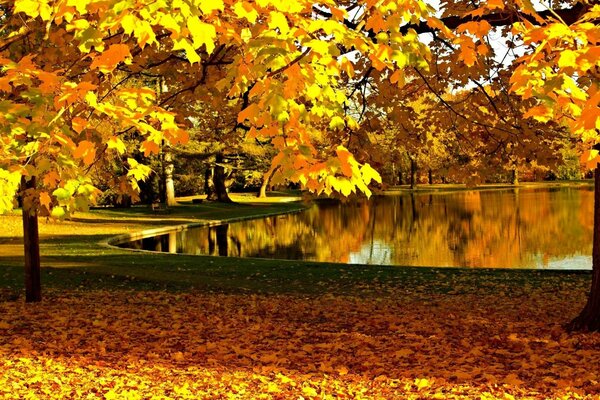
(514, 228)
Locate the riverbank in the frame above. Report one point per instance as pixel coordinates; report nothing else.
(456, 187)
(73, 256)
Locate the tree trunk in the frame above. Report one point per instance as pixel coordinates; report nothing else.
(430, 177)
(219, 181)
(222, 242)
(589, 318)
(169, 184)
(413, 173)
(400, 177)
(262, 193)
(515, 176)
(31, 239)
(207, 178)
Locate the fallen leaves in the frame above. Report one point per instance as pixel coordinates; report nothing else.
(158, 345)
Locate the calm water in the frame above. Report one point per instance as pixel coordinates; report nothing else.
(513, 228)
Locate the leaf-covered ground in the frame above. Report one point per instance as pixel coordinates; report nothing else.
(407, 344)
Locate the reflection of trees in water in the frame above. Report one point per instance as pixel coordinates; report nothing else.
(473, 228)
(491, 228)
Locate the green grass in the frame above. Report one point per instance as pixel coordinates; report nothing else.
(74, 258)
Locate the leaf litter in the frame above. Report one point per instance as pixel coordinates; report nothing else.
(159, 345)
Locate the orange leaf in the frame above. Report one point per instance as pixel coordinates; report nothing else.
(85, 150)
(247, 113)
(590, 158)
(45, 200)
(150, 147)
(111, 57)
(477, 28)
(78, 124)
(51, 179)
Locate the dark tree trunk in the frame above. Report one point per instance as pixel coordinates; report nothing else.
(413, 173)
(219, 181)
(400, 178)
(515, 176)
(207, 179)
(31, 239)
(430, 177)
(589, 318)
(222, 242)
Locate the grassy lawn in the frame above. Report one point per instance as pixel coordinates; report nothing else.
(122, 324)
(73, 256)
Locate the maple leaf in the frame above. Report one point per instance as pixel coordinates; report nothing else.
(108, 60)
(85, 150)
(45, 200)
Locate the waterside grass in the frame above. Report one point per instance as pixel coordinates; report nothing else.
(74, 257)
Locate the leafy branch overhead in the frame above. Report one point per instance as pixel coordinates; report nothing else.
(79, 77)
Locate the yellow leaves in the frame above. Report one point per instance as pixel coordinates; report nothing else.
(9, 184)
(58, 212)
(108, 60)
(277, 21)
(337, 123)
(422, 383)
(203, 34)
(309, 391)
(29, 7)
(557, 31)
(116, 143)
(289, 6)
(137, 170)
(567, 58)
(34, 8)
(128, 23)
(185, 45)
(244, 9)
(208, 6)
(369, 174)
(144, 33)
(80, 5)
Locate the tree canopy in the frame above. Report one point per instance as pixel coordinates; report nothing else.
(77, 76)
